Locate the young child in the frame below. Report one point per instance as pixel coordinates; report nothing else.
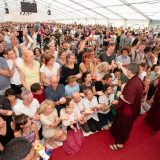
(72, 86)
(68, 116)
(71, 118)
(38, 92)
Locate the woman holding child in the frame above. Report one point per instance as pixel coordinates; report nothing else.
(70, 123)
(50, 121)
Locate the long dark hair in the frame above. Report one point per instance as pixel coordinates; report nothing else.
(85, 75)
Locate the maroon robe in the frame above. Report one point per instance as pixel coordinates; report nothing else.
(153, 115)
(127, 113)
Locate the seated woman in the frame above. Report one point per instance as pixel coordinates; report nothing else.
(6, 133)
(87, 83)
(9, 102)
(50, 121)
(74, 134)
(70, 68)
(107, 99)
(91, 106)
(50, 68)
(25, 128)
(11, 99)
(72, 86)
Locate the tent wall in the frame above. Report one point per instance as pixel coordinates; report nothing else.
(114, 23)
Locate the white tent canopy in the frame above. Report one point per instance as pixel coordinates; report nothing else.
(86, 11)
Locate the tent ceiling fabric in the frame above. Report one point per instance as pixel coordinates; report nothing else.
(75, 9)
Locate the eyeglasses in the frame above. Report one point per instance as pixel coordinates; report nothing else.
(109, 102)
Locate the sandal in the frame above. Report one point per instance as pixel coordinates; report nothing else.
(119, 146)
(113, 147)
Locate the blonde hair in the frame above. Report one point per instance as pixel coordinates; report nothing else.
(45, 104)
(26, 53)
(102, 69)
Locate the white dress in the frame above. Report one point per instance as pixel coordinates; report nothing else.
(46, 120)
(48, 73)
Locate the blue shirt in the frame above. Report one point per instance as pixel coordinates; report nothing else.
(69, 90)
(55, 95)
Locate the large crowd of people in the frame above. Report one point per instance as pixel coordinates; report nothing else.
(61, 82)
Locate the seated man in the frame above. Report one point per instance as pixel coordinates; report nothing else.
(80, 111)
(29, 106)
(105, 114)
(38, 92)
(56, 93)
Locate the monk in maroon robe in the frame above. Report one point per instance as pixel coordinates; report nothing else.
(128, 107)
(153, 116)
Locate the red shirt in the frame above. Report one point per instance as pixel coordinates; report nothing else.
(39, 97)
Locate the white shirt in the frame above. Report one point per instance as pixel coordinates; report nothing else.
(15, 79)
(17, 102)
(30, 111)
(48, 73)
(107, 100)
(89, 105)
(79, 107)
